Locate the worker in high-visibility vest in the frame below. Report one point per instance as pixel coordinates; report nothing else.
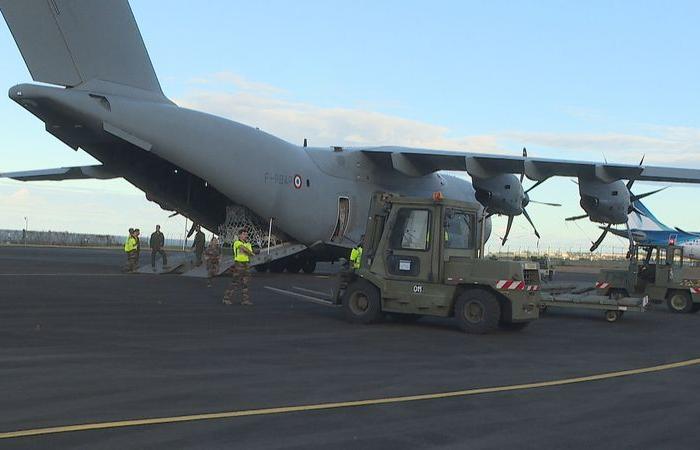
(242, 252)
(131, 248)
(356, 255)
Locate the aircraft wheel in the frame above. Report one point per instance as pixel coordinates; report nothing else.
(277, 266)
(477, 311)
(293, 265)
(613, 316)
(362, 302)
(679, 302)
(309, 266)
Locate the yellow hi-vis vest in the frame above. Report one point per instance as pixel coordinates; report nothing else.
(130, 245)
(356, 257)
(238, 256)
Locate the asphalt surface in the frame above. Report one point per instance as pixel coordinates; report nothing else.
(81, 343)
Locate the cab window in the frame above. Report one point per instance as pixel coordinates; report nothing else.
(411, 230)
(459, 230)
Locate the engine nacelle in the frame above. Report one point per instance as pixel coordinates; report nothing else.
(502, 194)
(605, 202)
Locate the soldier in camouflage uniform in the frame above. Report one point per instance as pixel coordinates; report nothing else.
(242, 251)
(212, 255)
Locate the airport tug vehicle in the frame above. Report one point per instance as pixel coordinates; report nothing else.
(659, 272)
(424, 257)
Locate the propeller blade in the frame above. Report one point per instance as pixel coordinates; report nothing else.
(630, 183)
(634, 198)
(510, 224)
(597, 243)
(527, 216)
(522, 175)
(544, 203)
(535, 185)
(173, 215)
(570, 219)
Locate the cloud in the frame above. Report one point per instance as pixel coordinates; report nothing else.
(265, 107)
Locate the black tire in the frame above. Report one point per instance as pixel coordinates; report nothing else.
(362, 302)
(309, 266)
(261, 268)
(277, 266)
(613, 316)
(679, 302)
(477, 311)
(293, 265)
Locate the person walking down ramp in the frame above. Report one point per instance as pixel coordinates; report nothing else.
(242, 251)
(131, 247)
(213, 257)
(198, 246)
(157, 243)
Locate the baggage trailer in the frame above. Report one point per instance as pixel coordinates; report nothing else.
(614, 306)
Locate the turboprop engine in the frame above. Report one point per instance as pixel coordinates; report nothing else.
(605, 202)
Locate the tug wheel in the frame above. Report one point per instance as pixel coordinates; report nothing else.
(477, 311)
(679, 302)
(362, 302)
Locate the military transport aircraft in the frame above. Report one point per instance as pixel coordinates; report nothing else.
(107, 101)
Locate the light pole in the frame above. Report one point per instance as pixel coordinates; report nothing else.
(26, 229)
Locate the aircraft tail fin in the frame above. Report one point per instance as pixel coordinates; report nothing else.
(647, 220)
(72, 42)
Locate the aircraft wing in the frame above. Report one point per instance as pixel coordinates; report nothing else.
(62, 173)
(420, 162)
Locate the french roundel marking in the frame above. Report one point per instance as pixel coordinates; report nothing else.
(297, 181)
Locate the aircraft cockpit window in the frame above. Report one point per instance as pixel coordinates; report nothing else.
(411, 230)
(459, 230)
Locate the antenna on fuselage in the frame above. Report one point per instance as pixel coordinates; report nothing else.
(306, 143)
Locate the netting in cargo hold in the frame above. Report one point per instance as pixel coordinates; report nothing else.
(240, 217)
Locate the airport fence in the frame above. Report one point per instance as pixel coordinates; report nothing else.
(69, 239)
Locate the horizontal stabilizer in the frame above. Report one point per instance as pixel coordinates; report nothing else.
(71, 42)
(62, 173)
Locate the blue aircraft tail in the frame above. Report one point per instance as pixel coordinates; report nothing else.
(646, 220)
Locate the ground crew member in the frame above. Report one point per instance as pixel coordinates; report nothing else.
(131, 250)
(212, 254)
(242, 251)
(157, 242)
(198, 246)
(356, 255)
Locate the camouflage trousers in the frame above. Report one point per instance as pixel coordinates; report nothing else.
(212, 267)
(239, 284)
(132, 261)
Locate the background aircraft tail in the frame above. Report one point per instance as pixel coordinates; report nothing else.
(76, 42)
(647, 221)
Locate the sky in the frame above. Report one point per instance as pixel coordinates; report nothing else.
(599, 80)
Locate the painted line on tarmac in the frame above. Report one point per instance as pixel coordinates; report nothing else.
(341, 405)
(307, 298)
